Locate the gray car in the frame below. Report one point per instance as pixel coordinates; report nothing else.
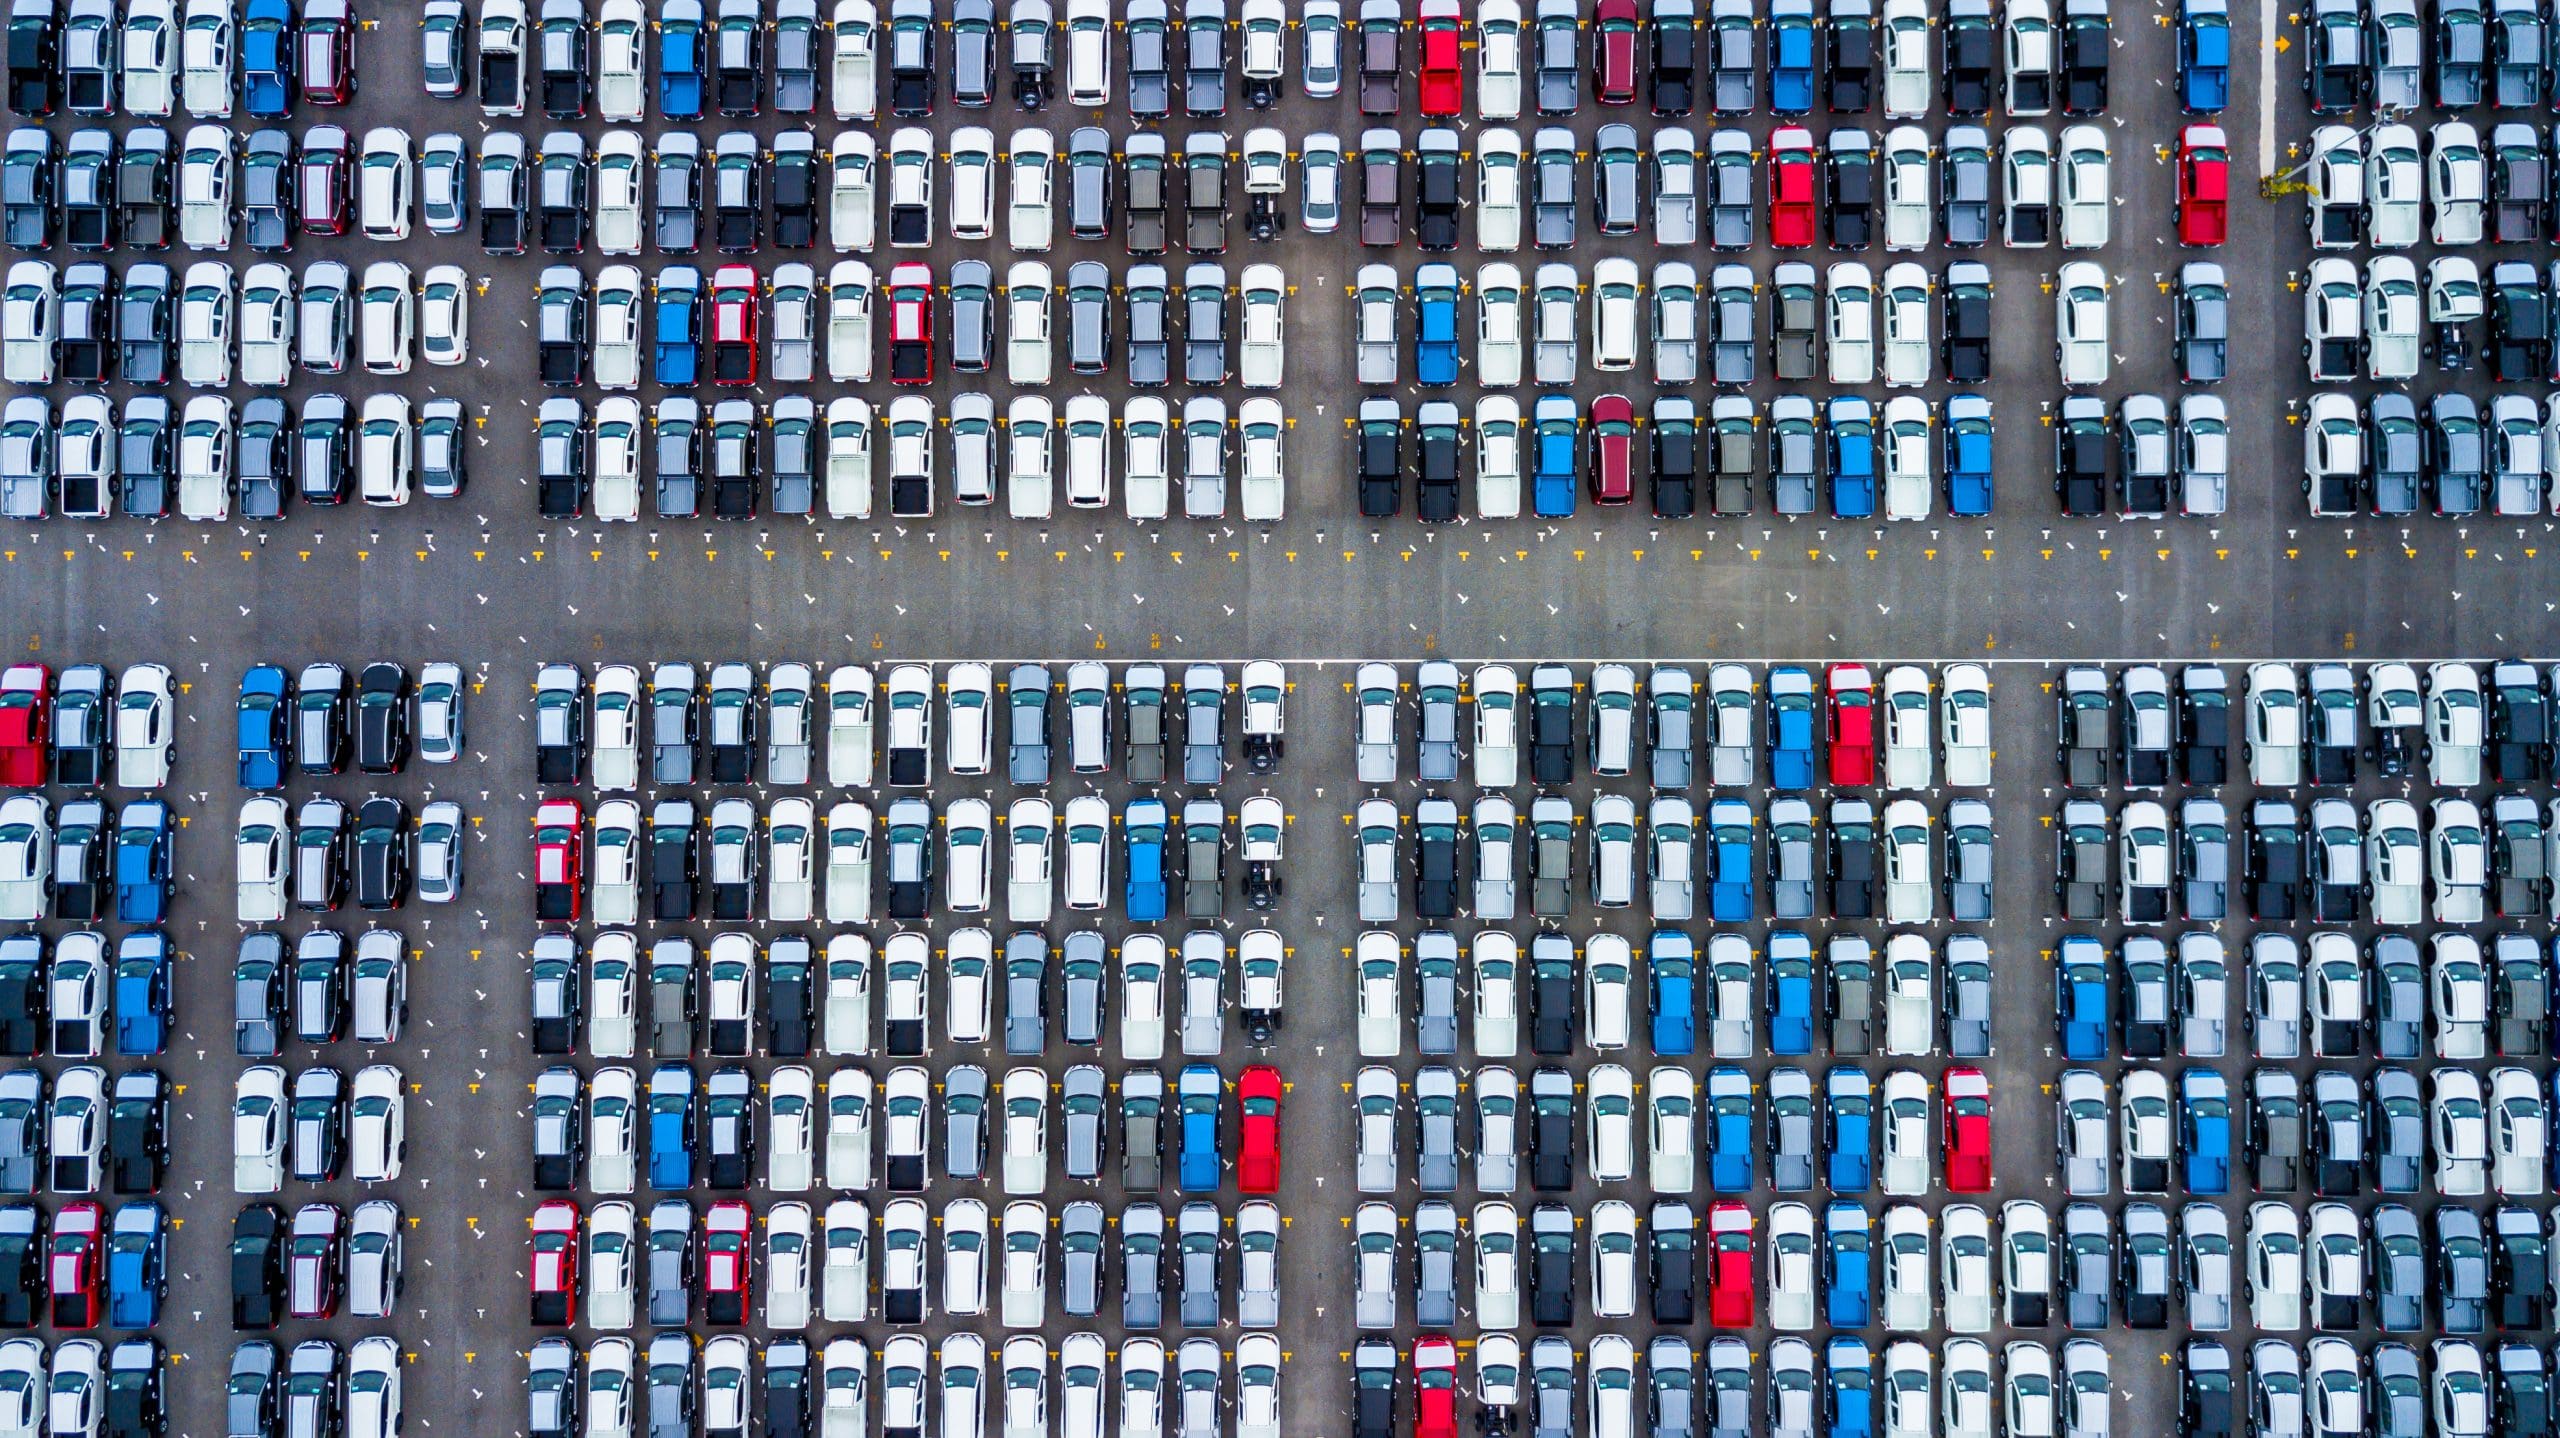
(1199, 1236)
(1204, 993)
(1497, 1129)
(1729, 181)
(2087, 1264)
(2395, 1131)
(671, 724)
(1671, 697)
(1080, 1266)
(22, 1130)
(1026, 689)
(1084, 988)
(1435, 1264)
(1026, 992)
(1204, 325)
(1141, 1130)
(667, 1268)
(964, 1122)
(1088, 188)
(1435, 968)
(1142, 1228)
(2396, 1257)
(1204, 710)
(1792, 865)
(1436, 729)
(1551, 176)
(1551, 1387)
(1435, 1107)
(1966, 996)
(1081, 1107)
(1791, 1129)
(1258, 1265)
(1617, 181)
(1374, 1100)
(1969, 863)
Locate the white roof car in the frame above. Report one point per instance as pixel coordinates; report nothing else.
(1030, 448)
(973, 183)
(2084, 195)
(2394, 862)
(1906, 329)
(2080, 331)
(1030, 157)
(2391, 324)
(621, 172)
(1499, 324)
(618, 437)
(1907, 1140)
(1026, 288)
(1262, 475)
(2457, 183)
(1498, 59)
(1146, 457)
(2394, 189)
(444, 315)
(266, 324)
(853, 190)
(1906, 441)
(2274, 1267)
(376, 1129)
(383, 183)
(1907, 211)
(1379, 973)
(1849, 320)
(1903, 1252)
(1259, 348)
(1142, 984)
(1500, 164)
(1908, 69)
(384, 318)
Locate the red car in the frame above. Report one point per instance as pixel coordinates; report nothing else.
(312, 1262)
(727, 1262)
(553, 1275)
(1853, 724)
(1613, 449)
(1729, 1266)
(1435, 1387)
(1793, 180)
(26, 714)
(559, 860)
(1613, 59)
(328, 53)
(326, 174)
(1968, 1141)
(911, 324)
(1258, 1160)
(2204, 185)
(733, 325)
(73, 1262)
(1443, 73)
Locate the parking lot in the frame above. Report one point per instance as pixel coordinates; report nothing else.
(480, 580)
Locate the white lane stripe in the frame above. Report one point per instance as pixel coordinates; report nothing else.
(2266, 87)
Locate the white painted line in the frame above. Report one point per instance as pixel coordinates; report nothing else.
(2266, 88)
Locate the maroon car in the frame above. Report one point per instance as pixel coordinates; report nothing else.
(1613, 447)
(1613, 59)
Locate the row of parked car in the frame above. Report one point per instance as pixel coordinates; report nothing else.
(2386, 188)
(324, 853)
(68, 863)
(216, 461)
(265, 56)
(86, 727)
(317, 1264)
(2386, 55)
(2307, 724)
(317, 1127)
(59, 999)
(82, 1269)
(2348, 866)
(1662, 49)
(2386, 998)
(2460, 459)
(314, 1389)
(1114, 719)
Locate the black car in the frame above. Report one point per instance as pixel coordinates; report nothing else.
(2519, 1271)
(786, 1388)
(1674, 71)
(560, 196)
(1373, 1389)
(1851, 860)
(2080, 455)
(911, 36)
(1672, 1263)
(674, 862)
(1674, 470)
(382, 718)
(2085, 44)
(25, 1007)
(2274, 872)
(1967, 77)
(2519, 724)
(138, 1132)
(257, 1267)
(1437, 184)
(1849, 57)
(1964, 323)
(1435, 480)
(81, 840)
(2204, 1390)
(1551, 1106)
(2519, 327)
(86, 327)
(787, 998)
(1378, 446)
(133, 1407)
(145, 192)
(737, 59)
(795, 191)
(1849, 183)
(382, 853)
(1551, 997)
(2204, 726)
(86, 188)
(505, 194)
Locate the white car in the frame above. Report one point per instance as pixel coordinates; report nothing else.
(2457, 184)
(149, 57)
(1907, 211)
(621, 171)
(258, 1130)
(1500, 165)
(1964, 724)
(385, 318)
(848, 479)
(853, 64)
(1499, 325)
(612, 1267)
(1259, 350)
(2395, 864)
(266, 324)
(616, 852)
(844, 1273)
(144, 699)
(1030, 831)
(1146, 457)
(973, 183)
(1022, 1287)
(964, 1257)
(1903, 1251)
(791, 840)
(1498, 59)
(444, 316)
(1906, 440)
(853, 190)
(1029, 221)
(383, 179)
(849, 1124)
(2394, 189)
(264, 851)
(2084, 196)
(1910, 887)
(1089, 47)
(1792, 1267)
(1262, 472)
(1964, 1267)
(1142, 989)
(1609, 1104)
(1380, 978)
(206, 212)
(377, 1111)
(204, 333)
(2391, 318)
(1850, 323)
(618, 437)
(1088, 419)
(2080, 329)
(1030, 447)
(1902, 1116)
(613, 1117)
(2274, 1267)
(1026, 1131)
(1498, 454)
(1908, 69)
(1671, 1099)
(1906, 328)
(1027, 349)
(1614, 310)
(621, 32)
(786, 1266)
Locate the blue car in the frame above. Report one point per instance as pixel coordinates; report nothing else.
(678, 325)
(1729, 896)
(1848, 1117)
(1968, 460)
(261, 727)
(1791, 56)
(142, 862)
(2204, 56)
(1729, 1130)
(680, 59)
(1791, 724)
(142, 993)
(1671, 970)
(1851, 428)
(266, 59)
(1198, 1093)
(1848, 1389)
(1144, 825)
(2204, 1130)
(2080, 998)
(1558, 455)
(671, 1128)
(1790, 993)
(137, 1265)
(1848, 1234)
(1435, 342)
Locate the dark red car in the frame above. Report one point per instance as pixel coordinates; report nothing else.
(1443, 69)
(1793, 179)
(328, 59)
(733, 325)
(324, 187)
(728, 1261)
(559, 860)
(911, 324)
(1258, 1156)
(1852, 714)
(1613, 449)
(1435, 1387)
(553, 1274)
(26, 724)
(73, 1262)
(1613, 58)
(1729, 1298)
(2204, 185)
(1968, 1122)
